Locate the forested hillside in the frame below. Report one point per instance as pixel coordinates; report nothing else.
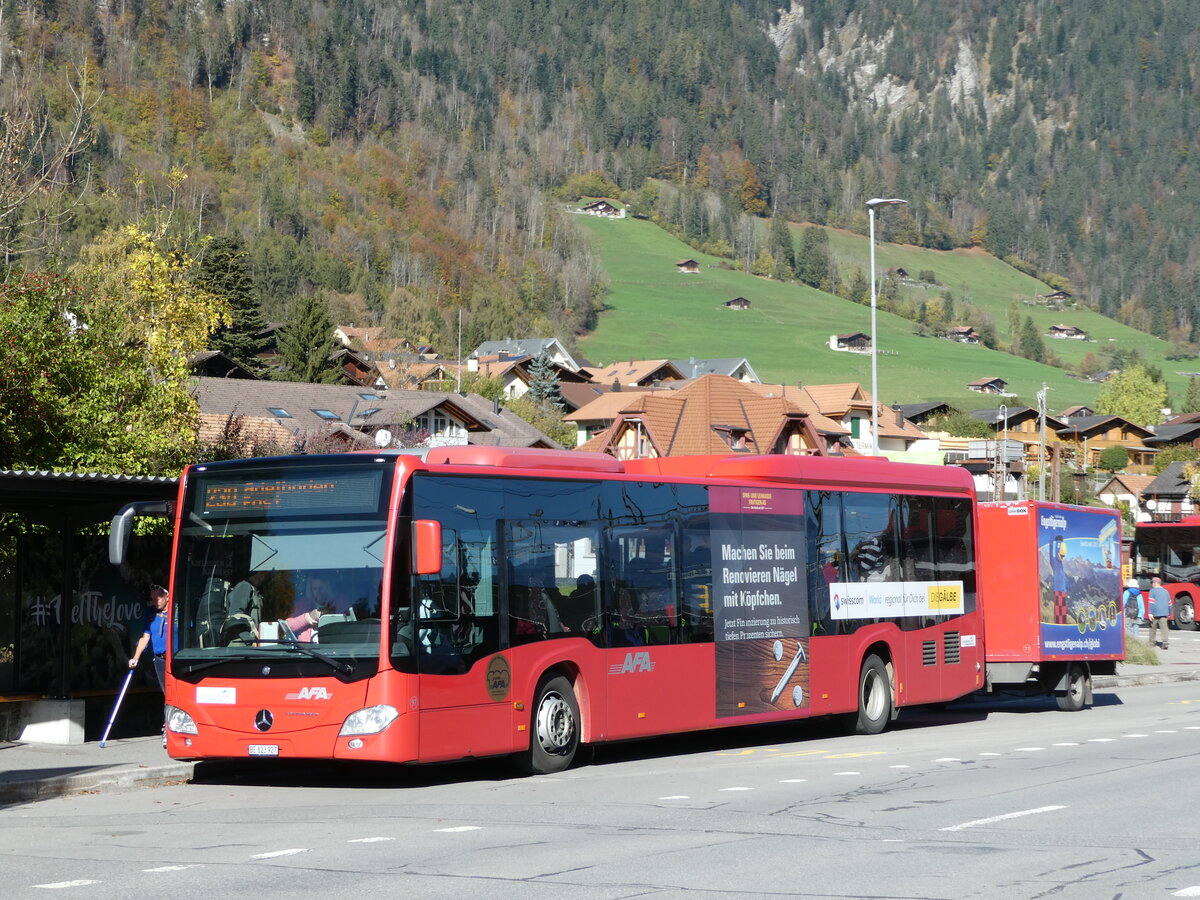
(409, 160)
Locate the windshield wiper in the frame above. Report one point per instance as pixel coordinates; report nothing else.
(336, 664)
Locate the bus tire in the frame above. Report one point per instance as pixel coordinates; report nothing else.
(554, 728)
(1184, 613)
(1071, 700)
(874, 697)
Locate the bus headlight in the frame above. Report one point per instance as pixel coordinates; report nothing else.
(180, 722)
(371, 720)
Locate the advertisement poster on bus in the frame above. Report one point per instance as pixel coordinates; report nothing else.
(1079, 574)
(760, 600)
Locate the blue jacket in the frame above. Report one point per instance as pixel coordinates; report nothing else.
(1160, 601)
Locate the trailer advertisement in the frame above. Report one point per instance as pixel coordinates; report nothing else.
(1080, 580)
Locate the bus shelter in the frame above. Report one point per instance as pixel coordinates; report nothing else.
(68, 619)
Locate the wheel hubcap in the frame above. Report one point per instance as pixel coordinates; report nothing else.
(555, 724)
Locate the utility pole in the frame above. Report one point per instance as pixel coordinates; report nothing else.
(1041, 399)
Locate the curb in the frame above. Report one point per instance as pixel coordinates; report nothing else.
(118, 778)
(1111, 681)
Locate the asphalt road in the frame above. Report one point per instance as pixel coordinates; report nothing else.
(997, 799)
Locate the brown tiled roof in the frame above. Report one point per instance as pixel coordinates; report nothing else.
(635, 371)
(689, 421)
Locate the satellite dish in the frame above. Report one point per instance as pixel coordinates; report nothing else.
(383, 438)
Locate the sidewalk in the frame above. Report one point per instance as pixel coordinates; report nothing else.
(40, 771)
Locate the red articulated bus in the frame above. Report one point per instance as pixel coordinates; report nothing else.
(1171, 550)
(480, 601)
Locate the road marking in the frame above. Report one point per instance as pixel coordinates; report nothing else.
(991, 819)
(1193, 891)
(1067, 744)
(169, 868)
(737, 789)
(901, 766)
(793, 780)
(1028, 749)
(990, 754)
(947, 759)
(1134, 735)
(1101, 740)
(847, 773)
(676, 797)
(370, 840)
(458, 829)
(66, 884)
(277, 853)
(1166, 731)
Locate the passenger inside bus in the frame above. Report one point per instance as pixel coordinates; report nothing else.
(534, 611)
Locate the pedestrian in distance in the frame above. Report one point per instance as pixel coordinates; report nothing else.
(155, 635)
(1160, 608)
(1133, 607)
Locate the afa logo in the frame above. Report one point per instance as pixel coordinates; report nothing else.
(310, 693)
(634, 662)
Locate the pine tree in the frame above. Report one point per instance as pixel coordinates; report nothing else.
(225, 272)
(306, 343)
(543, 383)
(1191, 400)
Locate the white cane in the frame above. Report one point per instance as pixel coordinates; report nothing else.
(116, 706)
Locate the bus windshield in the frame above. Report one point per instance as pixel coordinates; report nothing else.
(1169, 550)
(281, 563)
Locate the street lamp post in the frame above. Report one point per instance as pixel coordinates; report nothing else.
(871, 207)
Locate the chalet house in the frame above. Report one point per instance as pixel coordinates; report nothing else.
(920, 413)
(1092, 435)
(852, 342)
(356, 368)
(711, 415)
(604, 209)
(1186, 435)
(1074, 412)
(850, 405)
(531, 347)
(1127, 489)
(1022, 423)
(1057, 296)
(409, 372)
(1168, 498)
(734, 367)
(737, 303)
(964, 334)
(636, 373)
(688, 266)
(990, 386)
(1067, 332)
(289, 413)
(900, 273)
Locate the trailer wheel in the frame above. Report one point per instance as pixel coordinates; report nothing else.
(1072, 699)
(555, 727)
(874, 697)
(1184, 613)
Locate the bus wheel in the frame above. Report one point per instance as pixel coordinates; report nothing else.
(1072, 699)
(555, 735)
(874, 697)
(1184, 613)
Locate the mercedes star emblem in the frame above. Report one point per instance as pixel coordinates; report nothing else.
(263, 720)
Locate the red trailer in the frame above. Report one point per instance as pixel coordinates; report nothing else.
(1053, 616)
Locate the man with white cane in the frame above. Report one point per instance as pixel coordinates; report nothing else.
(155, 635)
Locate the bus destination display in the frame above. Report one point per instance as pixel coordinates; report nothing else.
(330, 492)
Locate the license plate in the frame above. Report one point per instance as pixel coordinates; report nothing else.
(264, 749)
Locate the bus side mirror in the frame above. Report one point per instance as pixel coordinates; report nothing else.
(427, 546)
(122, 524)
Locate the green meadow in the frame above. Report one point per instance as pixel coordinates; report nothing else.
(653, 312)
